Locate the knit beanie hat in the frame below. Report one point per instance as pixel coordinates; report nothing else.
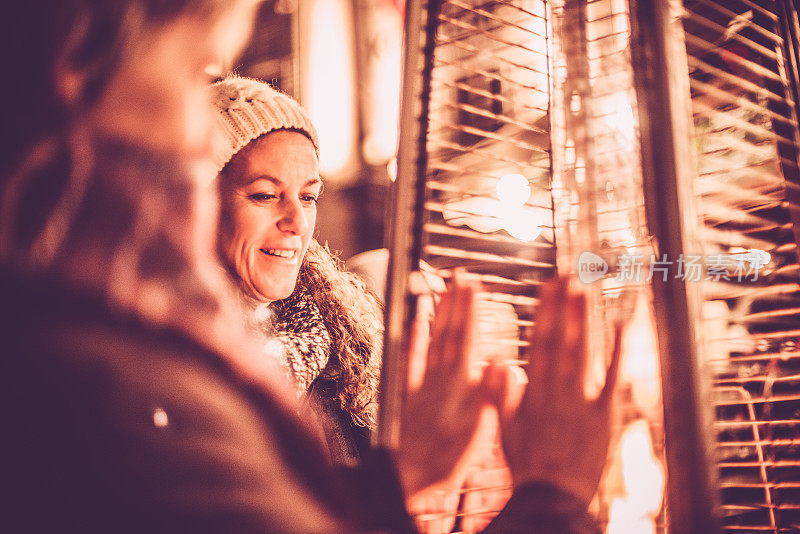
(248, 109)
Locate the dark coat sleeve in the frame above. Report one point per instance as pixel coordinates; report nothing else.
(536, 508)
(543, 509)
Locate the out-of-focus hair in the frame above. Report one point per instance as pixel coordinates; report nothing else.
(58, 57)
(40, 40)
(352, 315)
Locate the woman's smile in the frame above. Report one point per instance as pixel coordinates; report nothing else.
(289, 255)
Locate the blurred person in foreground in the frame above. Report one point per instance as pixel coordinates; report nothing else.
(133, 401)
(328, 322)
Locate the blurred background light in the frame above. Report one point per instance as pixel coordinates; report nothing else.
(328, 75)
(381, 86)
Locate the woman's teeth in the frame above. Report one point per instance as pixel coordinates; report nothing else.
(280, 253)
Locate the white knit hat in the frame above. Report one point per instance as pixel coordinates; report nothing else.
(248, 109)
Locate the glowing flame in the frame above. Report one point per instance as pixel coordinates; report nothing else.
(640, 359)
(643, 480)
(642, 474)
(391, 169)
(619, 118)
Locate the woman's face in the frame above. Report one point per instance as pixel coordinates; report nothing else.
(269, 196)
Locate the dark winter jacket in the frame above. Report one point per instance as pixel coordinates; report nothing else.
(111, 425)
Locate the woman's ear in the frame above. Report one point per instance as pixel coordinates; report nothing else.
(69, 87)
(91, 50)
(68, 79)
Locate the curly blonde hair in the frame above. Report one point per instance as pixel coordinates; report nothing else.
(353, 316)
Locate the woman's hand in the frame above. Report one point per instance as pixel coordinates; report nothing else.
(557, 435)
(448, 415)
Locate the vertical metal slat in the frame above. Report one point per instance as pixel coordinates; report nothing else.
(663, 92)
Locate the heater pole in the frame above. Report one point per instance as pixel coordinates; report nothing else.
(405, 215)
(662, 88)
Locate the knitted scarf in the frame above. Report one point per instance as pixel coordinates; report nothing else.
(297, 323)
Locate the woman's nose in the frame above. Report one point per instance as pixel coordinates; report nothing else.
(293, 219)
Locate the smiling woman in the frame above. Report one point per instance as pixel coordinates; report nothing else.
(327, 321)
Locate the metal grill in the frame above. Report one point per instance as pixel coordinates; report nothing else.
(473, 191)
(536, 131)
(745, 137)
(487, 122)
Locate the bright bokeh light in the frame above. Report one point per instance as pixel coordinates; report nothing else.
(522, 223)
(513, 190)
(329, 83)
(506, 212)
(383, 96)
(488, 215)
(759, 257)
(482, 214)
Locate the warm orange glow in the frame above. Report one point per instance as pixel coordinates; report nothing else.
(479, 213)
(617, 114)
(640, 359)
(508, 211)
(513, 190)
(643, 480)
(328, 87)
(383, 95)
(523, 223)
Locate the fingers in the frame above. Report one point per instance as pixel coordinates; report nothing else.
(504, 386)
(455, 328)
(572, 360)
(559, 350)
(547, 336)
(438, 339)
(604, 398)
(417, 352)
(466, 323)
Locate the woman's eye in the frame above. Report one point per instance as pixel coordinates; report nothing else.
(262, 197)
